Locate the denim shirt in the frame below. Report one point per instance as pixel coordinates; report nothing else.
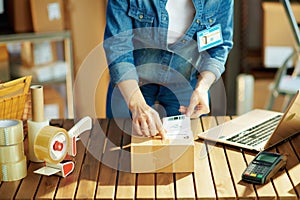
(135, 41)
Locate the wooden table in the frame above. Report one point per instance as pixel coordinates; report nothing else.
(217, 174)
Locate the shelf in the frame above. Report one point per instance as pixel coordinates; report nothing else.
(64, 36)
(21, 37)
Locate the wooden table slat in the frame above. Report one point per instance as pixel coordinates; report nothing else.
(145, 186)
(126, 185)
(203, 178)
(9, 189)
(218, 163)
(106, 183)
(88, 178)
(208, 122)
(90, 168)
(238, 165)
(165, 186)
(126, 180)
(296, 146)
(185, 186)
(47, 187)
(221, 173)
(282, 184)
(292, 167)
(106, 187)
(30, 185)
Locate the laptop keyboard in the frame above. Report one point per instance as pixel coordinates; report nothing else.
(256, 134)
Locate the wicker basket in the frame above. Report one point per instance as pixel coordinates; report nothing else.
(14, 98)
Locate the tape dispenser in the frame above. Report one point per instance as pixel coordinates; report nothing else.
(53, 144)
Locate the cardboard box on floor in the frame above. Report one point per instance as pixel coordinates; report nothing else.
(154, 155)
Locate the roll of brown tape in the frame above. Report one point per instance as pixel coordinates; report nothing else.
(13, 171)
(37, 103)
(11, 132)
(51, 144)
(11, 153)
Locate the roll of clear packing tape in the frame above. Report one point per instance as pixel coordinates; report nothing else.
(11, 132)
(13, 171)
(33, 130)
(12, 153)
(51, 144)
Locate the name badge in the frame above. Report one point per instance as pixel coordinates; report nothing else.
(209, 38)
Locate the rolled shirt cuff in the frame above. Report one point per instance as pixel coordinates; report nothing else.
(123, 71)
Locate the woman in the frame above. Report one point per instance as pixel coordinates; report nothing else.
(165, 55)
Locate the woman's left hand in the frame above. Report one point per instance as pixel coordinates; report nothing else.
(199, 102)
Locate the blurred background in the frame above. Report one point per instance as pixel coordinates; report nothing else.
(50, 39)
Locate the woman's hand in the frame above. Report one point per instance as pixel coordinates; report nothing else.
(199, 102)
(145, 120)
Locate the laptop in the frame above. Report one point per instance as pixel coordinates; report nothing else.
(258, 129)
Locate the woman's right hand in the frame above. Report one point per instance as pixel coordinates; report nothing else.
(145, 120)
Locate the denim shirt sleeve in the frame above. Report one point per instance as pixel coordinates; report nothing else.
(214, 59)
(118, 42)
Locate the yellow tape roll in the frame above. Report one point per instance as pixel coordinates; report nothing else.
(11, 132)
(51, 144)
(11, 153)
(13, 171)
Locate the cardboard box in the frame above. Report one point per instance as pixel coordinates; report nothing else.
(4, 71)
(54, 104)
(4, 64)
(47, 15)
(54, 71)
(37, 54)
(154, 155)
(19, 15)
(278, 40)
(3, 53)
(173, 154)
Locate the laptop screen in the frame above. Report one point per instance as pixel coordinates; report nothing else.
(289, 124)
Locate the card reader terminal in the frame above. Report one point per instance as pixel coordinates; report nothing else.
(263, 167)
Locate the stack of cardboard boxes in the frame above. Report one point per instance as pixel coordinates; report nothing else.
(35, 15)
(43, 59)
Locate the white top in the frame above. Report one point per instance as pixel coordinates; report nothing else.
(181, 14)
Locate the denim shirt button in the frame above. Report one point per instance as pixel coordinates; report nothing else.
(183, 40)
(210, 20)
(141, 16)
(198, 21)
